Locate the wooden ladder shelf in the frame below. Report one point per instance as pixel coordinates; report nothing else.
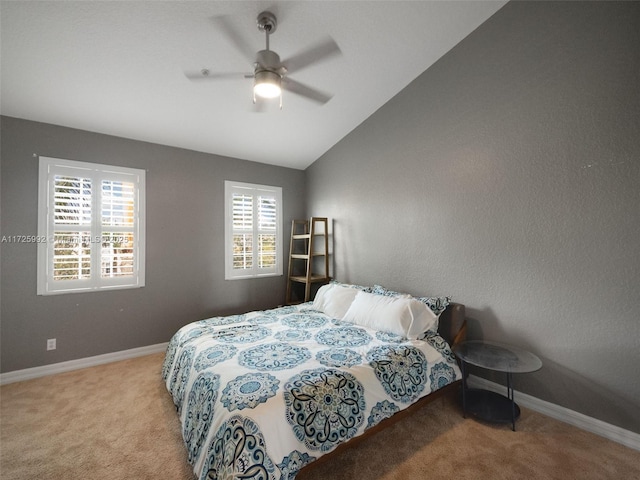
(308, 248)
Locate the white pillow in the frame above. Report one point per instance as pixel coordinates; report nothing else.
(318, 301)
(403, 316)
(334, 299)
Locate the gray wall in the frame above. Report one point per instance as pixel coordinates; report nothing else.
(508, 176)
(184, 247)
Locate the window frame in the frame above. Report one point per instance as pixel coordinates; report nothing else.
(49, 168)
(231, 187)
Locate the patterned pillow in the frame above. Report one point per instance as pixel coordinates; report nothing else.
(436, 304)
(349, 285)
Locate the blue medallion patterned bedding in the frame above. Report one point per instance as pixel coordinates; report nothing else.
(261, 395)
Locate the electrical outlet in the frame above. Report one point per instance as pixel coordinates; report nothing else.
(51, 344)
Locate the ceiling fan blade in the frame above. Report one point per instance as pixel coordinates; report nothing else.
(205, 74)
(318, 53)
(224, 24)
(305, 91)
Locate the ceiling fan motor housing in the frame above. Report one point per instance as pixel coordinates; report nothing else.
(267, 60)
(268, 71)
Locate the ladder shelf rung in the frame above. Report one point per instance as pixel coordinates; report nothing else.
(307, 255)
(313, 279)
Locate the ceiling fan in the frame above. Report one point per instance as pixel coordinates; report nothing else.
(270, 74)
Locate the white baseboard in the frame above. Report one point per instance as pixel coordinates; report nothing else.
(29, 373)
(593, 425)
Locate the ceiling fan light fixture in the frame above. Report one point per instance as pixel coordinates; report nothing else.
(267, 84)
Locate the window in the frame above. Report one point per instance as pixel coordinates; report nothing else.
(253, 230)
(90, 227)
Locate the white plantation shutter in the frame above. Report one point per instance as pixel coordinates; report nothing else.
(72, 203)
(72, 197)
(90, 227)
(267, 221)
(242, 231)
(118, 229)
(253, 227)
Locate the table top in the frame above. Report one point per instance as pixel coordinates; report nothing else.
(497, 356)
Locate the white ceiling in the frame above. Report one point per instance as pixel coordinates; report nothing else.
(117, 67)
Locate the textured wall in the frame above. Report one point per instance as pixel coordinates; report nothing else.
(508, 176)
(184, 247)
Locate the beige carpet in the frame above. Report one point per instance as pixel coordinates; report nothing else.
(117, 421)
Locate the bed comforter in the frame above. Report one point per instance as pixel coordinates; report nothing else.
(262, 394)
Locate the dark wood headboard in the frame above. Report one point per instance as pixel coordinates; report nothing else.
(453, 324)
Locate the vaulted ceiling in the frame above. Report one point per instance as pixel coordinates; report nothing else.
(118, 67)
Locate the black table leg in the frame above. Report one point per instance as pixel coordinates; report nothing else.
(513, 403)
(464, 391)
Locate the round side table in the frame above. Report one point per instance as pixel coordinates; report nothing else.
(484, 404)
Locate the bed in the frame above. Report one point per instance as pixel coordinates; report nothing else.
(266, 394)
